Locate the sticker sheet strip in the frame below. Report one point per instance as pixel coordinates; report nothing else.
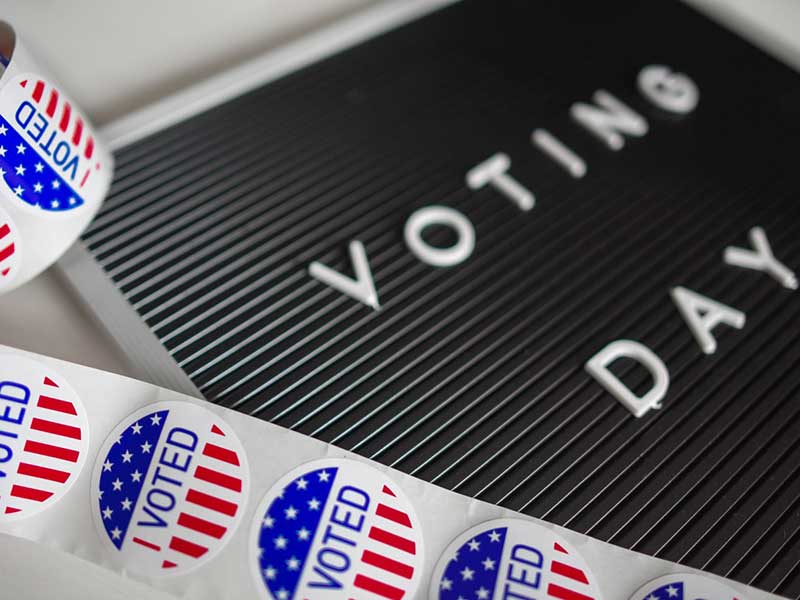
(203, 502)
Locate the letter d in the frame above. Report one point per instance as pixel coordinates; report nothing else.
(597, 367)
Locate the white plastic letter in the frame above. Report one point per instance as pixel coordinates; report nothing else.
(762, 259)
(702, 314)
(607, 121)
(494, 171)
(560, 153)
(674, 92)
(440, 215)
(597, 367)
(362, 288)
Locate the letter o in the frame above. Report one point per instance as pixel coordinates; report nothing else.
(448, 217)
(7, 454)
(340, 566)
(165, 507)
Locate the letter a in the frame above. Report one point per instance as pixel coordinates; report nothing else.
(362, 288)
(597, 367)
(702, 314)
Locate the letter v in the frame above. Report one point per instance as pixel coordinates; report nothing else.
(362, 288)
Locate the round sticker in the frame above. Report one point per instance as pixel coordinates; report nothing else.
(9, 249)
(48, 156)
(512, 558)
(333, 529)
(169, 488)
(44, 436)
(686, 586)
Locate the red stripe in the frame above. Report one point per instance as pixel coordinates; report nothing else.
(20, 491)
(146, 544)
(187, 547)
(217, 478)
(392, 514)
(51, 451)
(390, 539)
(76, 135)
(386, 490)
(6, 252)
(4, 230)
(65, 117)
(211, 502)
(168, 564)
(50, 382)
(85, 177)
(42, 472)
(51, 105)
(38, 90)
(378, 587)
(89, 148)
(569, 571)
(220, 453)
(201, 525)
(556, 591)
(11, 510)
(217, 430)
(56, 428)
(559, 548)
(387, 564)
(61, 406)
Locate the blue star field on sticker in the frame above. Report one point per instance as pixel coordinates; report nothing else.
(471, 573)
(671, 591)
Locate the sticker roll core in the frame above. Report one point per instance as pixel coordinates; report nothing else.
(54, 170)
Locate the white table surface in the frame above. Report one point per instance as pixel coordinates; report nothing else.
(115, 57)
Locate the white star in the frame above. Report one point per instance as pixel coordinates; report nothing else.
(474, 545)
(283, 594)
(107, 512)
(324, 476)
(293, 564)
(301, 484)
(482, 593)
(488, 564)
(446, 584)
(651, 597)
(494, 537)
(313, 504)
(269, 573)
(2, 150)
(467, 573)
(54, 204)
(18, 190)
(155, 420)
(268, 522)
(100, 495)
(115, 533)
(136, 476)
(280, 542)
(2, 173)
(117, 484)
(291, 513)
(127, 457)
(126, 504)
(20, 149)
(56, 184)
(20, 169)
(39, 167)
(146, 448)
(71, 200)
(3, 130)
(107, 465)
(303, 534)
(672, 591)
(136, 428)
(37, 187)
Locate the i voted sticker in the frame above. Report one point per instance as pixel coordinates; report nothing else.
(49, 160)
(335, 529)
(512, 558)
(44, 436)
(9, 250)
(686, 586)
(169, 488)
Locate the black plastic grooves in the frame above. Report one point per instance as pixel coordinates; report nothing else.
(472, 377)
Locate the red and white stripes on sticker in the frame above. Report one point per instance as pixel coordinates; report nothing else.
(212, 500)
(386, 563)
(568, 581)
(50, 454)
(7, 248)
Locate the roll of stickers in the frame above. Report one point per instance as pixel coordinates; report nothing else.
(203, 502)
(54, 171)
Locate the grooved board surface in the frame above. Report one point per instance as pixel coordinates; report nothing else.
(472, 377)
